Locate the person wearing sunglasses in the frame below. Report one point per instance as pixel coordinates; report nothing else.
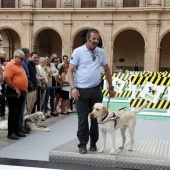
(84, 79)
(17, 82)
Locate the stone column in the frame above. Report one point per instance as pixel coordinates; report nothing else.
(119, 3)
(66, 48)
(141, 3)
(151, 62)
(145, 56)
(99, 4)
(108, 43)
(77, 3)
(58, 4)
(27, 4)
(26, 39)
(155, 3)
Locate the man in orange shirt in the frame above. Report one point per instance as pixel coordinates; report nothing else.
(17, 83)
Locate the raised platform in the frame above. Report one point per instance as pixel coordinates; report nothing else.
(146, 155)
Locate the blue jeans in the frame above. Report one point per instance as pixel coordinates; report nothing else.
(21, 117)
(51, 93)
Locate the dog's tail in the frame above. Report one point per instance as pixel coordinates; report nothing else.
(140, 108)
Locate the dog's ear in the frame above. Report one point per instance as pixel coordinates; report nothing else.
(105, 110)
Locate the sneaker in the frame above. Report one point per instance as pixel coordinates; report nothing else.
(69, 110)
(47, 115)
(93, 148)
(83, 150)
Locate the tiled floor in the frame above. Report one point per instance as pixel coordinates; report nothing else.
(4, 141)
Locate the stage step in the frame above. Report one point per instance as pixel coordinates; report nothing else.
(146, 155)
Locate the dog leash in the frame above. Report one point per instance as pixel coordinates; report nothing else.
(108, 102)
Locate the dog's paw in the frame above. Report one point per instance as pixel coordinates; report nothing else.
(47, 130)
(100, 150)
(112, 152)
(120, 147)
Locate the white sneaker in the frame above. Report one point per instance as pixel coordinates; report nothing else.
(47, 115)
(69, 110)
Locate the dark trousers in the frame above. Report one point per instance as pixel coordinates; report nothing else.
(2, 101)
(84, 105)
(15, 108)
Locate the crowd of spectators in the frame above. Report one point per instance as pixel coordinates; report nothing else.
(19, 79)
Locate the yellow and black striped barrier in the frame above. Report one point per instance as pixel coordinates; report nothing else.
(139, 79)
(160, 104)
(124, 93)
(142, 80)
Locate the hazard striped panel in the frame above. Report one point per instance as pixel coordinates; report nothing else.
(160, 104)
(162, 81)
(124, 93)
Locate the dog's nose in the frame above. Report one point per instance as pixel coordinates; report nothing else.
(91, 114)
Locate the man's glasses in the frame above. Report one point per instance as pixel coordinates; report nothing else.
(55, 61)
(93, 55)
(21, 58)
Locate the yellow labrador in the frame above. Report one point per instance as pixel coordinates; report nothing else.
(111, 121)
(33, 121)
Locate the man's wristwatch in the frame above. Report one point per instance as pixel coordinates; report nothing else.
(111, 88)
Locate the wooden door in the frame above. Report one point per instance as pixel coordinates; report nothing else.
(8, 3)
(88, 3)
(49, 4)
(130, 3)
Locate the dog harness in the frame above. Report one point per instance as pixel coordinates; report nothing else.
(114, 117)
(28, 120)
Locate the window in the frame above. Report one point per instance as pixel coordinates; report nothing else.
(130, 3)
(48, 3)
(8, 3)
(88, 3)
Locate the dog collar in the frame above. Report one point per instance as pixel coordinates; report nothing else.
(105, 116)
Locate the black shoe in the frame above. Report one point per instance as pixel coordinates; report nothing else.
(54, 114)
(20, 134)
(13, 136)
(28, 129)
(24, 131)
(83, 150)
(93, 148)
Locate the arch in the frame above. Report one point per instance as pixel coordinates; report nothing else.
(12, 28)
(83, 38)
(163, 32)
(123, 53)
(42, 29)
(129, 27)
(47, 40)
(78, 30)
(164, 42)
(11, 40)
